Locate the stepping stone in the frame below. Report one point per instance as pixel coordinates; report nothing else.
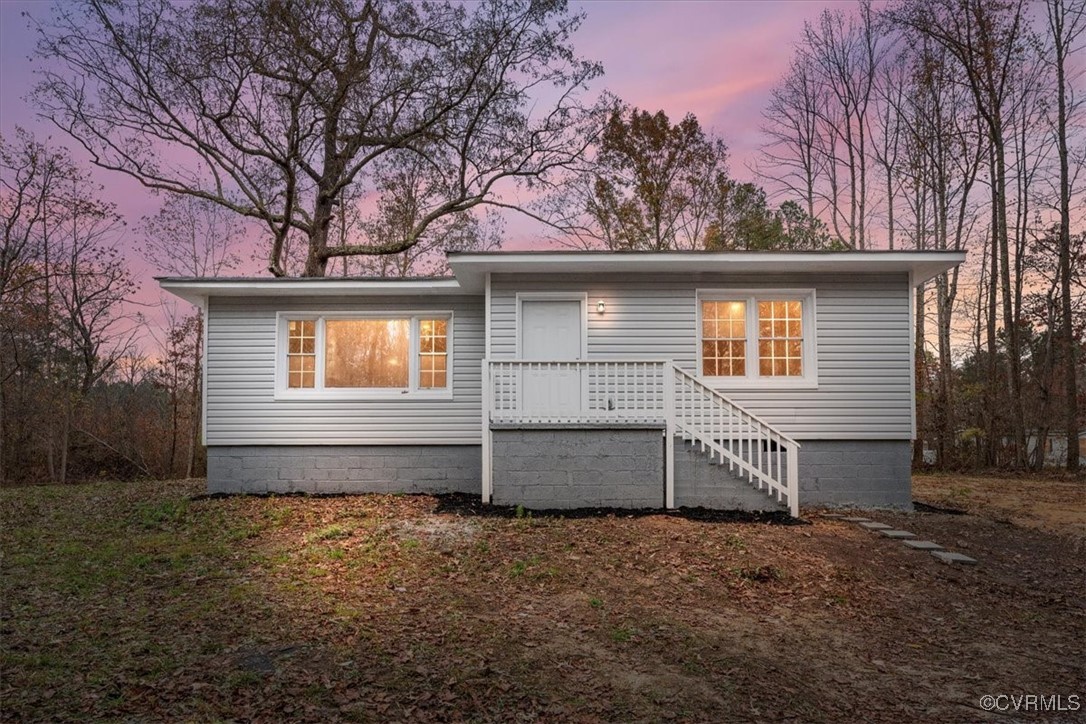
(898, 534)
(874, 525)
(923, 545)
(951, 557)
(856, 520)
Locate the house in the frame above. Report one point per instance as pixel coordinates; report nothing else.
(569, 379)
(1055, 447)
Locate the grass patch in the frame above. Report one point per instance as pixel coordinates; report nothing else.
(758, 574)
(165, 512)
(734, 542)
(335, 531)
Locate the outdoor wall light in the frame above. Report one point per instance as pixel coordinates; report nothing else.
(601, 306)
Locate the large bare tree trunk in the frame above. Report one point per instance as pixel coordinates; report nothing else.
(944, 406)
(991, 399)
(1010, 319)
(1062, 37)
(197, 398)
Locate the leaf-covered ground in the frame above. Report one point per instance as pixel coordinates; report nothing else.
(137, 602)
(1056, 502)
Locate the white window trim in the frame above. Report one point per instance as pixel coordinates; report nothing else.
(411, 392)
(581, 297)
(753, 380)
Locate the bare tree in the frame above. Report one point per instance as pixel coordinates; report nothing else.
(88, 282)
(845, 50)
(29, 175)
(890, 88)
(947, 149)
(820, 117)
(275, 110)
(1066, 23)
(63, 286)
(792, 123)
(985, 38)
(407, 190)
(189, 236)
(30, 178)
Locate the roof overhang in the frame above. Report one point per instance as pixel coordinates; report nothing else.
(471, 268)
(197, 289)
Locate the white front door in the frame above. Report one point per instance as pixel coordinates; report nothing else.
(550, 330)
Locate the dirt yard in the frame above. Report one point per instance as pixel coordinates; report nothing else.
(1056, 504)
(137, 602)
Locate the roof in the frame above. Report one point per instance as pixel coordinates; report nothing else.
(470, 270)
(195, 289)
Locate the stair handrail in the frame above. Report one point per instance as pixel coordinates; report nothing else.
(789, 487)
(716, 393)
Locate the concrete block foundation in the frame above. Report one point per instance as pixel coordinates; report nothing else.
(567, 468)
(856, 473)
(578, 468)
(344, 468)
(701, 483)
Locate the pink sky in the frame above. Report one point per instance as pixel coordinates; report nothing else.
(715, 59)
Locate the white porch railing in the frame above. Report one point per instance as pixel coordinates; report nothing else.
(582, 391)
(593, 392)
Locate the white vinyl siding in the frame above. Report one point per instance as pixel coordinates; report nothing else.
(241, 404)
(862, 344)
(862, 341)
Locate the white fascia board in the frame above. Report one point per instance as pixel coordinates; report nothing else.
(192, 290)
(471, 269)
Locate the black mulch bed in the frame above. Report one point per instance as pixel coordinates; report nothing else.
(472, 505)
(925, 508)
(468, 505)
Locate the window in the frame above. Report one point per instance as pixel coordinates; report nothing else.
(433, 353)
(339, 355)
(780, 339)
(724, 338)
(302, 353)
(370, 353)
(762, 337)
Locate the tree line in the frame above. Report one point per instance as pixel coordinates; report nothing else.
(365, 137)
(957, 124)
(89, 387)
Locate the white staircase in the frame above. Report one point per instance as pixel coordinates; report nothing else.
(731, 435)
(602, 392)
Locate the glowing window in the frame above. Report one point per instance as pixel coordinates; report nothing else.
(301, 353)
(749, 337)
(780, 338)
(724, 338)
(433, 353)
(339, 355)
(367, 353)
